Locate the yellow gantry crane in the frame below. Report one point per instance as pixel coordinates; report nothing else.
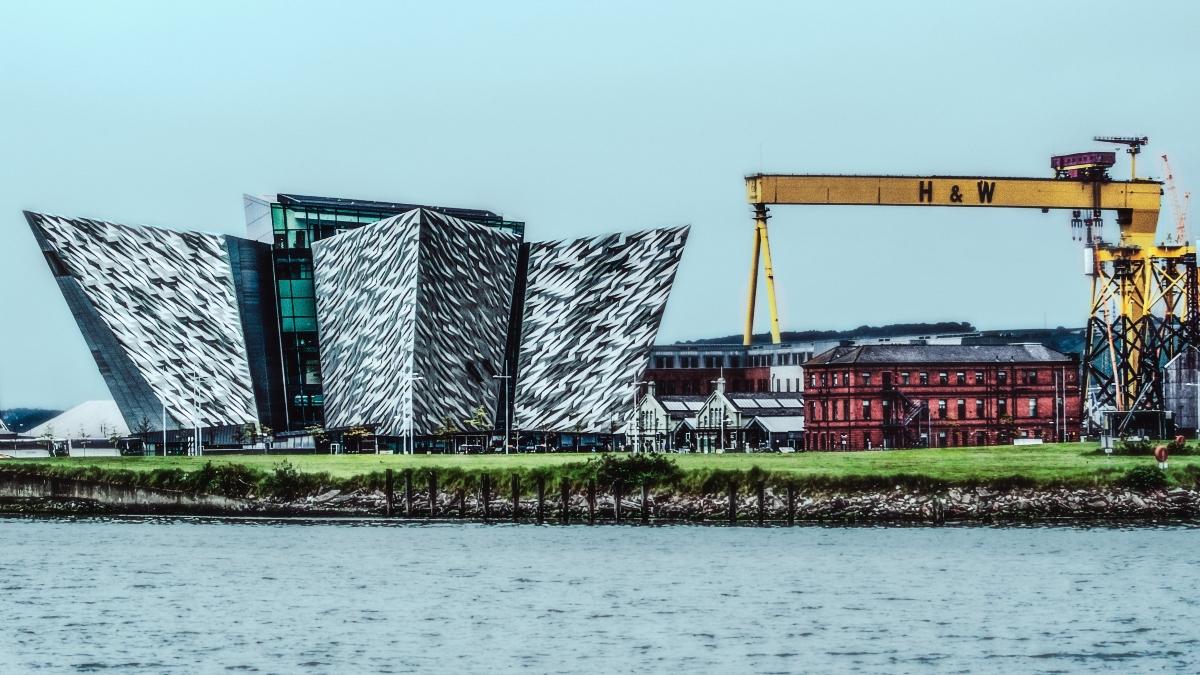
(1153, 287)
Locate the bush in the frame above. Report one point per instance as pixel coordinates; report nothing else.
(285, 483)
(1144, 478)
(634, 469)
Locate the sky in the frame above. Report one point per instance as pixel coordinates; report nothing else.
(583, 118)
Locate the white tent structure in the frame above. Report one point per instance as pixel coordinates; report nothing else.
(92, 419)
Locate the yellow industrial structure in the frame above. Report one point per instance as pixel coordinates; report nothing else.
(1144, 306)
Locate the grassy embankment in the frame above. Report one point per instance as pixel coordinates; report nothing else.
(1052, 465)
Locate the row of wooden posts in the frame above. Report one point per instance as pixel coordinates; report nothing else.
(564, 500)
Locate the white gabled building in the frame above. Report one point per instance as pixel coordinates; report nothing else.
(719, 422)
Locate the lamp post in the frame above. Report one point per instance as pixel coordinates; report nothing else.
(197, 437)
(637, 416)
(409, 379)
(507, 408)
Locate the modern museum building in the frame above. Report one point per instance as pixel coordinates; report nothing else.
(334, 314)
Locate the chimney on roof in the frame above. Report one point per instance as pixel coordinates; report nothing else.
(650, 389)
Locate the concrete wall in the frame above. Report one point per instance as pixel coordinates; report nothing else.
(130, 499)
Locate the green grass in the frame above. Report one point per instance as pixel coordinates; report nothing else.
(1074, 464)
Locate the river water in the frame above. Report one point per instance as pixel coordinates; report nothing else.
(205, 596)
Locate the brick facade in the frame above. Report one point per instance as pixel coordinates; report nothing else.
(941, 396)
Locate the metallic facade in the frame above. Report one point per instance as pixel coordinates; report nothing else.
(159, 311)
(412, 314)
(591, 311)
(290, 224)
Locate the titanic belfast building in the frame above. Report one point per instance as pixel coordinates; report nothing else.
(341, 313)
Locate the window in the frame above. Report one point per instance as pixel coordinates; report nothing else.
(824, 410)
(1031, 377)
(835, 410)
(866, 410)
(846, 409)
(979, 377)
(943, 378)
(960, 378)
(835, 379)
(1002, 407)
(1002, 377)
(812, 380)
(1033, 407)
(979, 408)
(884, 405)
(903, 378)
(942, 409)
(824, 379)
(812, 410)
(865, 379)
(923, 378)
(962, 409)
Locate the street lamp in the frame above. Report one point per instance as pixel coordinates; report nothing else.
(197, 437)
(637, 416)
(507, 408)
(409, 382)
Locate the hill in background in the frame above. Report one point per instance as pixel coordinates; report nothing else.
(20, 419)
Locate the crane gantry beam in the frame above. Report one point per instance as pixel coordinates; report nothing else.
(1136, 202)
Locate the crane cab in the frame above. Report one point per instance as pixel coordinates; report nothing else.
(1083, 165)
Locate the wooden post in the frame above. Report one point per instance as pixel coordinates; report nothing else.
(462, 503)
(408, 493)
(591, 501)
(762, 501)
(389, 490)
(432, 494)
(541, 499)
(516, 497)
(486, 490)
(791, 505)
(564, 486)
(617, 500)
(732, 502)
(645, 502)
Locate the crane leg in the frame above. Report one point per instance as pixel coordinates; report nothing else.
(748, 334)
(760, 224)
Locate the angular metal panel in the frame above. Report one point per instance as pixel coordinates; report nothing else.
(419, 294)
(591, 312)
(155, 307)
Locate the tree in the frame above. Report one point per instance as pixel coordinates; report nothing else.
(318, 433)
(48, 437)
(143, 426)
(246, 433)
(357, 434)
(479, 419)
(446, 429)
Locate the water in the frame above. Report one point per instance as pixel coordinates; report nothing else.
(201, 596)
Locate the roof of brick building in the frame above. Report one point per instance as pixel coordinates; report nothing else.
(879, 354)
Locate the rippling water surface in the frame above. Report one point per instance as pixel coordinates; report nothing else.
(186, 596)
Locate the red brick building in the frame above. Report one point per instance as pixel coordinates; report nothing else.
(900, 396)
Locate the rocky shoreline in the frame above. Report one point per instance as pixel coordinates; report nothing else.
(899, 505)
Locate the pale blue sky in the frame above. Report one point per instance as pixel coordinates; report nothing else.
(581, 118)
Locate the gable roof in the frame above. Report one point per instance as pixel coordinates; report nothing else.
(882, 354)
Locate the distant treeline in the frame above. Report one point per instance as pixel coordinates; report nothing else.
(889, 330)
(20, 419)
